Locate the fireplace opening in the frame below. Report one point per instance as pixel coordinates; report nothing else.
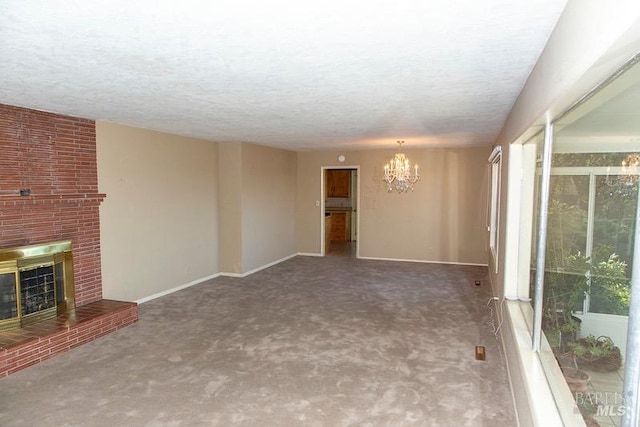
(36, 283)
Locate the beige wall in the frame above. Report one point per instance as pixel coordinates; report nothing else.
(180, 209)
(442, 220)
(268, 205)
(230, 206)
(159, 219)
(257, 206)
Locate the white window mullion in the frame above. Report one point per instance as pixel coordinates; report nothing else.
(495, 160)
(591, 209)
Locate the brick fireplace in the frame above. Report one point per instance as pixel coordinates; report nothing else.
(49, 192)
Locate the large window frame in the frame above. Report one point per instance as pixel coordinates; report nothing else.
(539, 343)
(520, 191)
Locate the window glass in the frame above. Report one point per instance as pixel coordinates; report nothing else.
(612, 255)
(589, 246)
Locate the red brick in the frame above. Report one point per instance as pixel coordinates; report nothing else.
(55, 157)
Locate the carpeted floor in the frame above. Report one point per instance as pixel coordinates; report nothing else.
(308, 342)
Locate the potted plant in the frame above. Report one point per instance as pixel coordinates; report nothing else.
(564, 292)
(596, 354)
(577, 379)
(588, 407)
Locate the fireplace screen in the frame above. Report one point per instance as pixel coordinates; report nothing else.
(36, 282)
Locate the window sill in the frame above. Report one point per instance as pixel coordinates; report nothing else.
(541, 394)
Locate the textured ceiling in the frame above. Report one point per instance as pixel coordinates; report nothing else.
(302, 75)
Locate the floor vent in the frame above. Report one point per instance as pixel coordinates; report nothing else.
(480, 352)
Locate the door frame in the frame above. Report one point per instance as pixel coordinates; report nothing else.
(323, 190)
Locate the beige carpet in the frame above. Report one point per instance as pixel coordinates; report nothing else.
(309, 342)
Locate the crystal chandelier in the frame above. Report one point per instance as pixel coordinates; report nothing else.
(625, 184)
(397, 173)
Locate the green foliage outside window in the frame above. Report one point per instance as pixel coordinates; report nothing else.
(610, 289)
(608, 279)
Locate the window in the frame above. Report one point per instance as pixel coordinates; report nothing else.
(582, 250)
(495, 160)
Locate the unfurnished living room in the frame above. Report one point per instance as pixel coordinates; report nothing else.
(279, 213)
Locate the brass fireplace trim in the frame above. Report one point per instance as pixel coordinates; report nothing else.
(22, 258)
(32, 251)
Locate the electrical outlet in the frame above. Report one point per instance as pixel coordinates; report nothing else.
(480, 352)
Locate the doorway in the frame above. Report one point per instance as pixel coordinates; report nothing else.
(340, 220)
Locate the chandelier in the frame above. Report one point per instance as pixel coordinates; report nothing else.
(397, 173)
(625, 184)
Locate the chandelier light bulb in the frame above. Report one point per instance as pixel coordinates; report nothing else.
(398, 173)
(625, 184)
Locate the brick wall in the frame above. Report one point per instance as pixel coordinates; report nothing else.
(54, 157)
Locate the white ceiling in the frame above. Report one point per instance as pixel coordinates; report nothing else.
(303, 75)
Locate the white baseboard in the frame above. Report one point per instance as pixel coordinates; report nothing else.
(271, 264)
(232, 275)
(213, 276)
(177, 288)
(403, 260)
(262, 267)
(424, 261)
